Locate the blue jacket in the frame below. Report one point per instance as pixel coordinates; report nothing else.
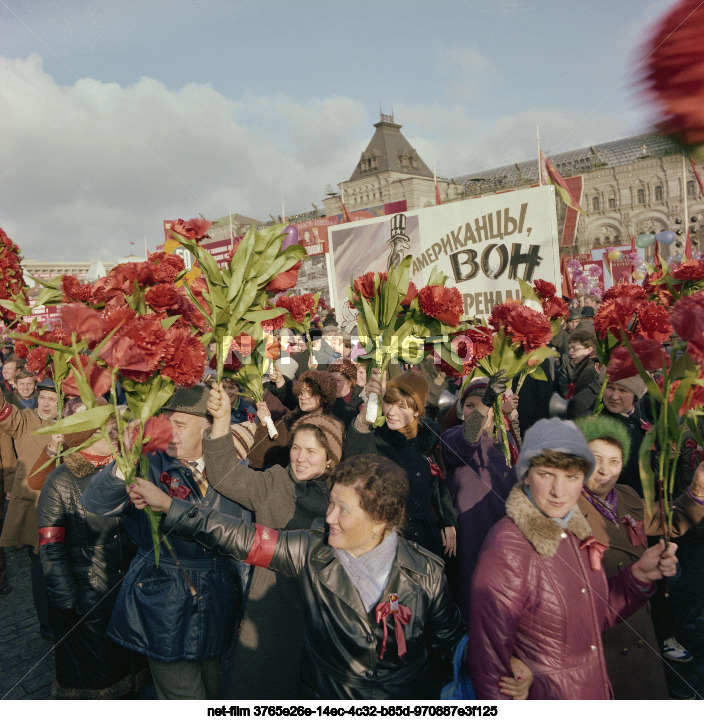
(155, 612)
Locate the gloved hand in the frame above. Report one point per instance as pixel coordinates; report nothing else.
(497, 385)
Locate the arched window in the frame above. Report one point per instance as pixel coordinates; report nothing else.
(658, 192)
(641, 196)
(595, 203)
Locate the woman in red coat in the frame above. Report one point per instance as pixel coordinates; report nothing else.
(539, 591)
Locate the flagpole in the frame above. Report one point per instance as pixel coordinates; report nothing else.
(686, 209)
(540, 168)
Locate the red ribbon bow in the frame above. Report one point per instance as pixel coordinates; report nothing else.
(636, 534)
(645, 425)
(571, 388)
(696, 454)
(435, 471)
(596, 551)
(175, 488)
(401, 619)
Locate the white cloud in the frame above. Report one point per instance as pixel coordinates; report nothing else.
(88, 168)
(466, 68)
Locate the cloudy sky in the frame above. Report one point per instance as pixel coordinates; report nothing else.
(116, 114)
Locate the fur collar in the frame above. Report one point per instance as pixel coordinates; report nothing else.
(540, 531)
(78, 465)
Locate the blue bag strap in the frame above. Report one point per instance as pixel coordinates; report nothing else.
(459, 655)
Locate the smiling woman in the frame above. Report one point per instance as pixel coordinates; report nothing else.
(378, 615)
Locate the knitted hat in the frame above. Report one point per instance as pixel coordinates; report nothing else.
(633, 384)
(604, 427)
(474, 387)
(321, 383)
(193, 400)
(553, 434)
(333, 429)
(414, 384)
(346, 367)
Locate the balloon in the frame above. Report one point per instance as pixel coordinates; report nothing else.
(614, 255)
(638, 275)
(666, 237)
(645, 239)
(290, 236)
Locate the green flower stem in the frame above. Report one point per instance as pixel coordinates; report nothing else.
(599, 407)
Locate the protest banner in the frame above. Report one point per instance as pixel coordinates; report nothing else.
(483, 244)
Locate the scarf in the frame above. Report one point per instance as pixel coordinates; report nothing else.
(608, 507)
(562, 522)
(370, 572)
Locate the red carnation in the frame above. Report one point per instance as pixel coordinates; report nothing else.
(117, 316)
(21, 350)
(99, 379)
(442, 303)
(158, 434)
(688, 322)
(164, 297)
(274, 323)
(186, 357)
(412, 293)
(298, 305)
(74, 291)
(193, 229)
(364, 285)
(82, 320)
(689, 270)
(232, 363)
(615, 314)
(481, 340)
(625, 290)
(529, 328)
(500, 313)
(137, 348)
(166, 267)
(654, 322)
(649, 352)
(544, 289)
(555, 308)
(285, 280)
(36, 362)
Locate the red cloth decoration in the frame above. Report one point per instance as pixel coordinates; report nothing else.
(6, 412)
(175, 488)
(571, 388)
(596, 551)
(696, 454)
(401, 619)
(51, 534)
(263, 546)
(435, 471)
(636, 533)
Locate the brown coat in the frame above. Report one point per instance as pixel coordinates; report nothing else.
(631, 648)
(274, 611)
(20, 527)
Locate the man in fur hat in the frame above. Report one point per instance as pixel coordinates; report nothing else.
(182, 627)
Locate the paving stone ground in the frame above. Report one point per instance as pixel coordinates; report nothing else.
(26, 659)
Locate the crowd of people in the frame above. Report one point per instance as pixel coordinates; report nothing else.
(341, 560)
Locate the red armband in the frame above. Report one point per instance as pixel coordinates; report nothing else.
(262, 550)
(5, 411)
(51, 534)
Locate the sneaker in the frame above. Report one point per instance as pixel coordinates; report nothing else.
(675, 651)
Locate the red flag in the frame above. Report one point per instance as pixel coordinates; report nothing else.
(438, 200)
(550, 173)
(697, 176)
(567, 287)
(688, 248)
(346, 216)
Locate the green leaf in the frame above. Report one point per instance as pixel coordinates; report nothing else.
(647, 477)
(264, 314)
(527, 291)
(166, 323)
(86, 420)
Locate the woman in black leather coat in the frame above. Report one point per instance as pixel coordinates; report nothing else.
(84, 557)
(379, 619)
